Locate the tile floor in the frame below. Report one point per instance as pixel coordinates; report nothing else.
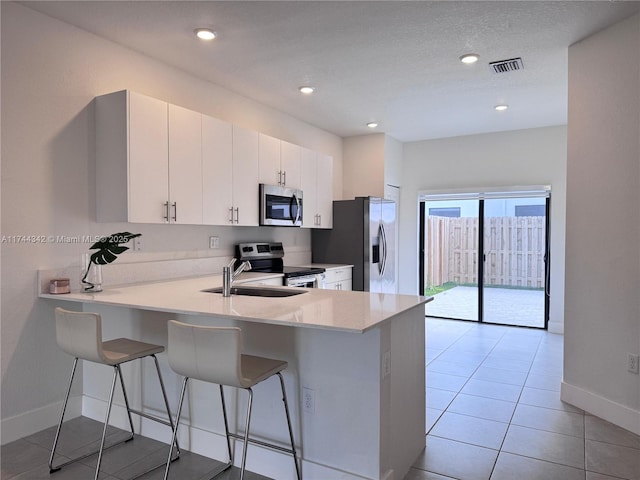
(27, 459)
(493, 412)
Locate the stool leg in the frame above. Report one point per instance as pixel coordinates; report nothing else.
(286, 410)
(64, 408)
(106, 420)
(175, 429)
(166, 401)
(246, 433)
(126, 400)
(226, 426)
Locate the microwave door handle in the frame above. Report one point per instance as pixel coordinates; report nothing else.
(295, 220)
(292, 200)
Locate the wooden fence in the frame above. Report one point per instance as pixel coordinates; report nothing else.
(514, 249)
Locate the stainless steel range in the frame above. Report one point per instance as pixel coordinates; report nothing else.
(268, 258)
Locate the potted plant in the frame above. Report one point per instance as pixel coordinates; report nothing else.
(108, 248)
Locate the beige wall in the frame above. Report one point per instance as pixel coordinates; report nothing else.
(51, 71)
(517, 158)
(602, 305)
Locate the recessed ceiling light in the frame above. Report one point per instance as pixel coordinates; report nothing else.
(307, 90)
(372, 124)
(501, 107)
(205, 33)
(469, 58)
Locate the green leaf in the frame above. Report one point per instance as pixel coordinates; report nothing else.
(109, 247)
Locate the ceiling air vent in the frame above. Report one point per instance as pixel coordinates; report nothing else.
(504, 66)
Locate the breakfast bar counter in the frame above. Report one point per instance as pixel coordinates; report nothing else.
(355, 381)
(315, 308)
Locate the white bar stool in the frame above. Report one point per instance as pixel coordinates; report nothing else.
(213, 354)
(80, 335)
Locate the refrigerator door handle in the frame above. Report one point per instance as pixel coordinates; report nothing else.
(385, 250)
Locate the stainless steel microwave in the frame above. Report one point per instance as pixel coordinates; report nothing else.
(280, 206)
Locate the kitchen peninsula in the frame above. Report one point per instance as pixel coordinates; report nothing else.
(358, 359)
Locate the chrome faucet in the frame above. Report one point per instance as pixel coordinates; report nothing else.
(228, 276)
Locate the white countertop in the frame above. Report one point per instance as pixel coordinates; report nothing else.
(328, 266)
(325, 309)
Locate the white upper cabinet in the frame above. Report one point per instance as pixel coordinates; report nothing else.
(161, 163)
(291, 165)
(244, 210)
(269, 159)
(317, 188)
(279, 162)
(132, 158)
(217, 171)
(324, 198)
(185, 166)
(148, 158)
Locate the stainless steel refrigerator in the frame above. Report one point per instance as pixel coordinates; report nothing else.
(363, 235)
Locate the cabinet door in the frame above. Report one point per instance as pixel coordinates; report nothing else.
(290, 159)
(308, 186)
(148, 169)
(185, 165)
(245, 176)
(325, 190)
(217, 171)
(269, 160)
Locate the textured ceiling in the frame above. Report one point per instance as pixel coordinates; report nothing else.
(393, 62)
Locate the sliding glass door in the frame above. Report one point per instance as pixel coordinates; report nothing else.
(484, 257)
(451, 262)
(514, 273)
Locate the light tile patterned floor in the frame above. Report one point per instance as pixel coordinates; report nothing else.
(493, 413)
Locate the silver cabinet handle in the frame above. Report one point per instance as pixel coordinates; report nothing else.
(175, 211)
(284, 174)
(231, 215)
(279, 177)
(166, 212)
(237, 210)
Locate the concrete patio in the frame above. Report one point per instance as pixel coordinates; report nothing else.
(504, 306)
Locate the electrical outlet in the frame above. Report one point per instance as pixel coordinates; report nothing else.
(386, 363)
(214, 242)
(308, 400)
(137, 244)
(632, 363)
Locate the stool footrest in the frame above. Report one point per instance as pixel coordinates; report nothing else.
(263, 444)
(151, 417)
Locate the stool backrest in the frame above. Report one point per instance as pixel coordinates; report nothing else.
(80, 334)
(212, 354)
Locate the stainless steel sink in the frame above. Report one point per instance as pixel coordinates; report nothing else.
(258, 291)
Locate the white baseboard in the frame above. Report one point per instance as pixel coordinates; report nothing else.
(620, 415)
(261, 460)
(556, 327)
(28, 423)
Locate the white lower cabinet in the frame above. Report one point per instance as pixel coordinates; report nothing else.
(338, 278)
